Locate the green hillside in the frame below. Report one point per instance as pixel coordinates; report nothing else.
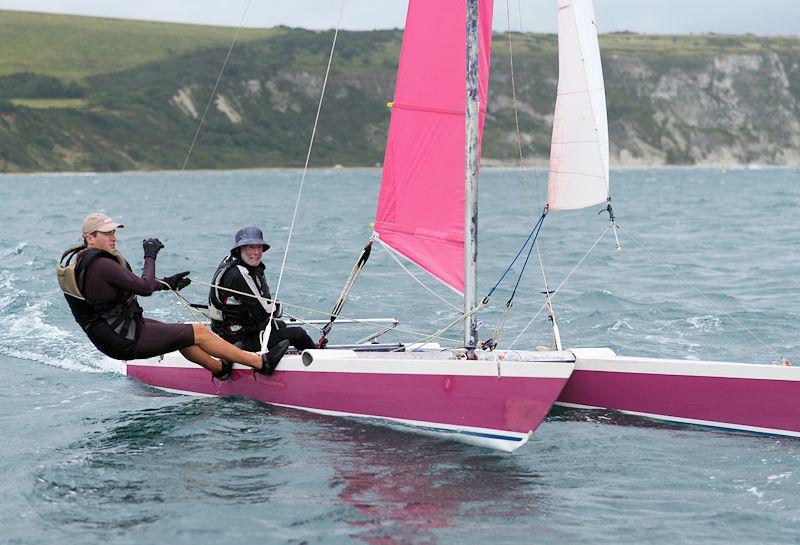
(81, 93)
(72, 47)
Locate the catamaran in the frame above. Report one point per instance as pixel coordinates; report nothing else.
(722, 395)
(427, 213)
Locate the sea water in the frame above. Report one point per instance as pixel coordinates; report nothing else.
(707, 270)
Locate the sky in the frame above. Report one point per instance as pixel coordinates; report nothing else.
(762, 17)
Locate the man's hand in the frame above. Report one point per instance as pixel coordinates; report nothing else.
(151, 247)
(178, 281)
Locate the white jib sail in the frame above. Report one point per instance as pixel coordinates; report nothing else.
(579, 149)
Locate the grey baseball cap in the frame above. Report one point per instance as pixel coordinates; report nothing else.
(248, 236)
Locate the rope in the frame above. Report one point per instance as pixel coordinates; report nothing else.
(492, 342)
(214, 91)
(699, 292)
(532, 130)
(498, 330)
(305, 170)
(524, 329)
(527, 257)
(311, 310)
(182, 300)
(535, 230)
(561, 285)
(348, 286)
(417, 280)
(539, 253)
(437, 334)
(293, 319)
(516, 115)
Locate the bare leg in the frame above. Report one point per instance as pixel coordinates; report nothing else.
(212, 345)
(196, 355)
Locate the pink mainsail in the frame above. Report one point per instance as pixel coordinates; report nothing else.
(421, 202)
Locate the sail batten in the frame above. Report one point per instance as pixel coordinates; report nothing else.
(579, 153)
(421, 202)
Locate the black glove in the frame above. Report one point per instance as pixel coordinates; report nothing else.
(151, 247)
(177, 281)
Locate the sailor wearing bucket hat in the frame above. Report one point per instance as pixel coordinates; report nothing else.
(239, 319)
(101, 291)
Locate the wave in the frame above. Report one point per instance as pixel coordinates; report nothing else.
(26, 333)
(16, 250)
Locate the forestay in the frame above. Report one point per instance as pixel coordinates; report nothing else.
(579, 148)
(421, 202)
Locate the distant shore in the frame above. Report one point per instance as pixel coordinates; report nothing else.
(338, 168)
(128, 95)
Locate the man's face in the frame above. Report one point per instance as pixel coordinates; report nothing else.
(102, 241)
(251, 254)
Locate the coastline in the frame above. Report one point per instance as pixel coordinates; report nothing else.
(492, 165)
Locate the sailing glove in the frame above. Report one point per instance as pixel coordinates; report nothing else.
(151, 247)
(178, 281)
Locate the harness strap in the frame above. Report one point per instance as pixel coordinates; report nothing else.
(268, 307)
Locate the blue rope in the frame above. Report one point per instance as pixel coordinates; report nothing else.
(534, 231)
(522, 271)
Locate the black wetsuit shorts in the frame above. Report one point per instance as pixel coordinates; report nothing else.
(158, 338)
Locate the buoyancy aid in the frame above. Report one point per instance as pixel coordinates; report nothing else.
(230, 318)
(112, 326)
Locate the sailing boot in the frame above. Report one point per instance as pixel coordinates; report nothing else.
(224, 373)
(270, 360)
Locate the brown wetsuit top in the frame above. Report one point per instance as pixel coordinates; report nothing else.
(104, 281)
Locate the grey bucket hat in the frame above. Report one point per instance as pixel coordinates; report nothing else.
(248, 236)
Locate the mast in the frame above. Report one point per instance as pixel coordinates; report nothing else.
(471, 181)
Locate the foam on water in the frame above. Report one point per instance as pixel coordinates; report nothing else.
(27, 336)
(28, 332)
(94, 457)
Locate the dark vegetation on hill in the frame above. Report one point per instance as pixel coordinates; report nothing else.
(79, 93)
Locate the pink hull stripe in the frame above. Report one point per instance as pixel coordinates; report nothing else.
(511, 404)
(770, 404)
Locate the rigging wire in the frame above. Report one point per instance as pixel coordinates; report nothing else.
(293, 319)
(534, 231)
(539, 254)
(417, 280)
(182, 300)
(348, 286)
(527, 258)
(561, 285)
(268, 329)
(516, 116)
(698, 291)
(214, 90)
(438, 334)
(492, 342)
(314, 311)
(524, 76)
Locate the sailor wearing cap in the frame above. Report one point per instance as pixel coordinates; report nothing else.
(240, 319)
(101, 291)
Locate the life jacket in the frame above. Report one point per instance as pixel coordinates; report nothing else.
(112, 326)
(230, 318)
